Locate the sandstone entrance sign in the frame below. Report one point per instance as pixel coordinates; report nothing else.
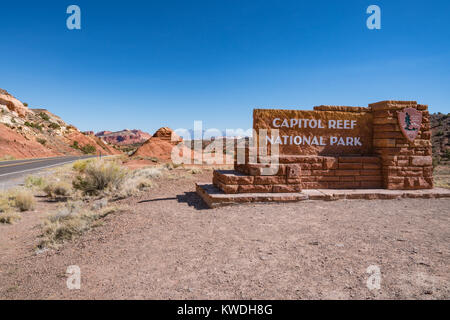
(384, 146)
(317, 132)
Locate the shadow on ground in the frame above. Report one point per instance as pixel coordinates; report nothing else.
(191, 198)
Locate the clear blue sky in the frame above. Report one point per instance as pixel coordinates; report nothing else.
(147, 64)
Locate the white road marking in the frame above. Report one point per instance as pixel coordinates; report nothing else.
(34, 169)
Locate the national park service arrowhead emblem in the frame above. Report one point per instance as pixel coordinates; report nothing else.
(410, 120)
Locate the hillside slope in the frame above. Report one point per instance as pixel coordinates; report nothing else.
(30, 133)
(440, 128)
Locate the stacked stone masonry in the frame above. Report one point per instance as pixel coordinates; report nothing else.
(393, 162)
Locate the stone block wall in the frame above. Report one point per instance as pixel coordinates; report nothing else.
(405, 165)
(392, 162)
(303, 172)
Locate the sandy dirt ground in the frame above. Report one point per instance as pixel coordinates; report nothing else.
(168, 245)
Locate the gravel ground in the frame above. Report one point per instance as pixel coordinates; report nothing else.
(168, 245)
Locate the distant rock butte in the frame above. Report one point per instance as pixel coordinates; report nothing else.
(160, 145)
(124, 137)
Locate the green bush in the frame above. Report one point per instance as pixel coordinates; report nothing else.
(33, 125)
(44, 116)
(54, 125)
(41, 141)
(87, 149)
(75, 145)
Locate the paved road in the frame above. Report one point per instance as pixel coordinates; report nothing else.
(10, 170)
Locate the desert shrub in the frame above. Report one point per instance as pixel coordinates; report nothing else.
(7, 157)
(23, 200)
(54, 125)
(9, 217)
(33, 181)
(70, 221)
(447, 154)
(44, 116)
(41, 141)
(87, 149)
(148, 173)
(75, 145)
(56, 189)
(33, 125)
(100, 175)
(25, 104)
(195, 171)
(80, 165)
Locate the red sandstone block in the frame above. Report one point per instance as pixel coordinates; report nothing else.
(384, 143)
(261, 169)
(409, 173)
(328, 178)
(306, 172)
(226, 188)
(232, 177)
(347, 172)
(387, 135)
(350, 159)
(330, 163)
(426, 135)
(312, 159)
(293, 171)
(316, 166)
(269, 180)
(383, 152)
(344, 185)
(287, 188)
(254, 188)
(421, 161)
(371, 166)
(394, 179)
(323, 172)
(303, 179)
(384, 127)
(352, 166)
(383, 113)
(389, 160)
(346, 178)
(402, 163)
(371, 184)
(390, 120)
(368, 178)
(305, 166)
(370, 172)
(370, 160)
(297, 180)
(422, 107)
(428, 171)
(315, 185)
(300, 159)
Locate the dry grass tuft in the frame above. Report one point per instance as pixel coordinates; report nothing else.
(56, 189)
(99, 176)
(9, 217)
(13, 201)
(70, 221)
(442, 176)
(34, 181)
(23, 199)
(80, 165)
